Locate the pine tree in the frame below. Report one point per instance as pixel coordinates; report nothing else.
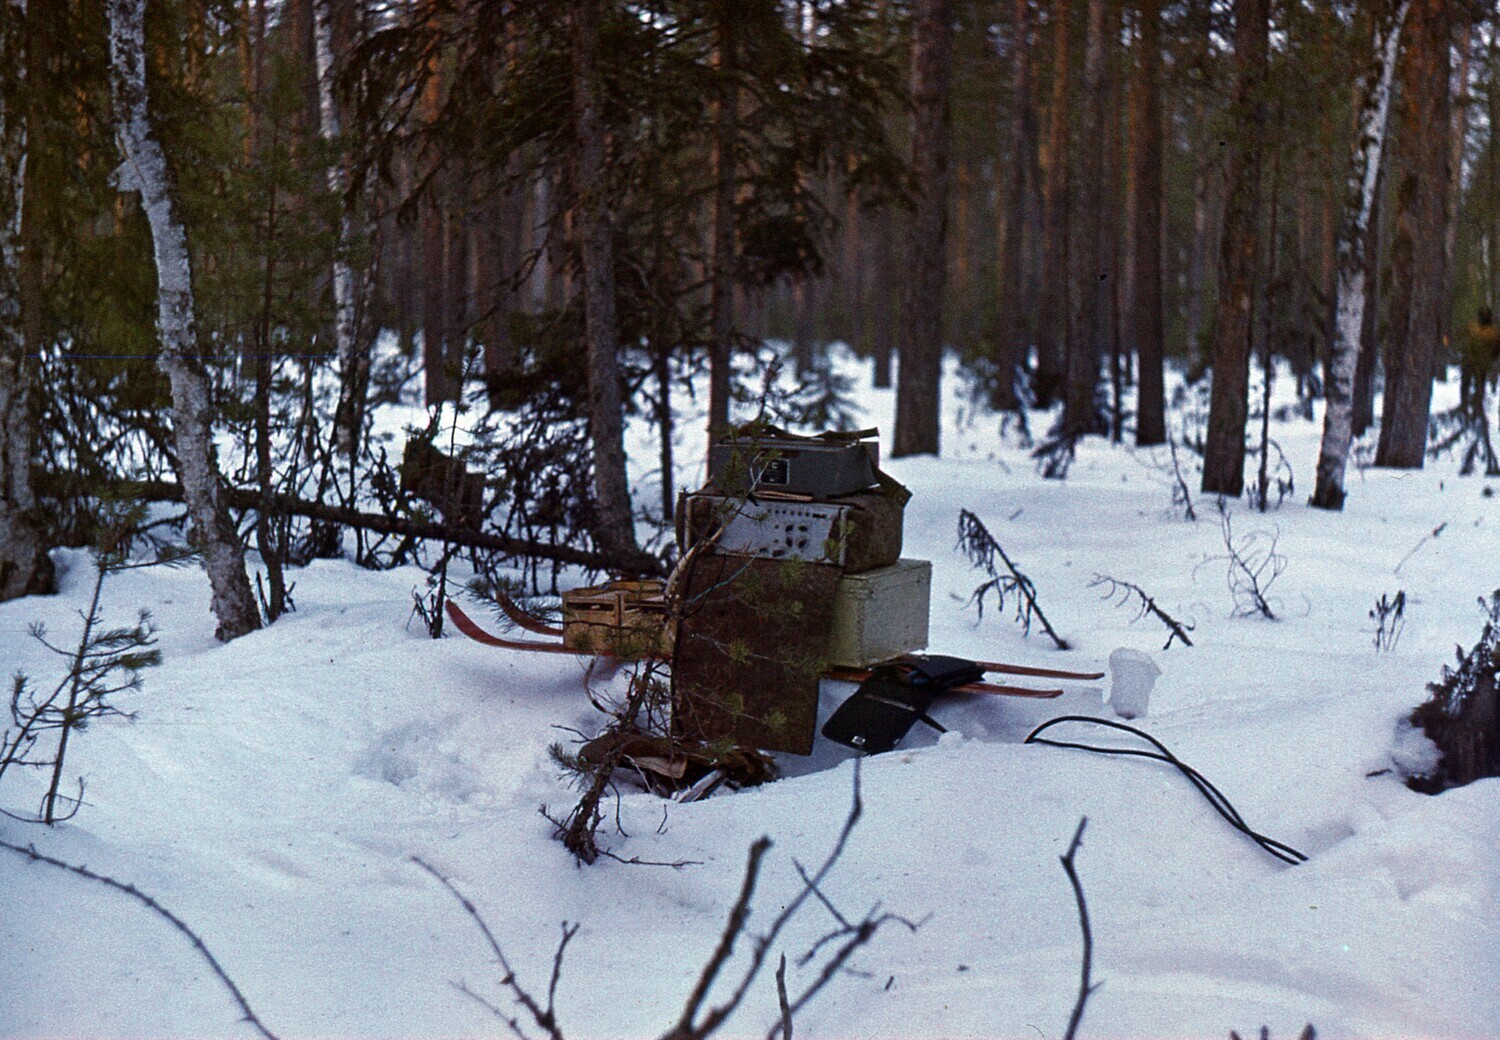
(917, 400)
(1146, 301)
(1224, 448)
(1419, 278)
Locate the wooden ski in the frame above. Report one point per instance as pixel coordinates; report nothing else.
(530, 622)
(1038, 673)
(469, 627)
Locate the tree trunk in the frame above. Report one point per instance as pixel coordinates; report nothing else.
(1056, 301)
(1418, 253)
(1458, 141)
(917, 393)
(721, 274)
(1369, 326)
(1239, 256)
(1364, 167)
(438, 376)
(614, 527)
(25, 567)
(354, 356)
(505, 257)
(885, 310)
(145, 170)
(1021, 226)
(1197, 272)
(1146, 304)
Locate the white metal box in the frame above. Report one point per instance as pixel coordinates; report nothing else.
(880, 614)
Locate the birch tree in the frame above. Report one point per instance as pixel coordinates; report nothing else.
(144, 170)
(1353, 264)
(354, 362)
(25, 567)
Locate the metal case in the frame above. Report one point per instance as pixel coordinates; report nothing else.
(856, 532)
(880, 614)
(795, 466)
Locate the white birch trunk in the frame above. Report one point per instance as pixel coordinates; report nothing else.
(25, 567)
(1338, 419)
(144, 169)
(352, 366)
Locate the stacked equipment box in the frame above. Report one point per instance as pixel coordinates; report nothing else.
(794, 564)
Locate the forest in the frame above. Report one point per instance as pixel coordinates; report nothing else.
(1145, 345)
(215, 213)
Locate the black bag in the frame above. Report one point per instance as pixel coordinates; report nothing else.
(893, 699)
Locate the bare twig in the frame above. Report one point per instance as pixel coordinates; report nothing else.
(176, 922)
(1180, 494)
(1436, 531)
(785, 1025)
(1253, 567)
(1123, 591)
(545, 1018)
(1085, 987)
(1389, 615)
(694, 1022)
(690, 1026)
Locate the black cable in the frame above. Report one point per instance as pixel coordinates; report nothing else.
(1212, 794)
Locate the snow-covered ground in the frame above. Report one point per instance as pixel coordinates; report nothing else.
(273, 793)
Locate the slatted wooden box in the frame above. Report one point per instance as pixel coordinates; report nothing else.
(623, 618)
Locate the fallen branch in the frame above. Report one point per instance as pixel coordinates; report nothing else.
(982, 550)
(54, 485)
(151, 904)
(1124, 590)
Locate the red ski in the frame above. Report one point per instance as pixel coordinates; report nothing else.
(469, 627)
(521, 617)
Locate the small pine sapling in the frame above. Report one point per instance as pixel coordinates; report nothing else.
(983, 551)
(1466, 433)
(1054, 457)
(105, 662)
(1460, 717)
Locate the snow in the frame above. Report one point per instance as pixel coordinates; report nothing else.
(273, 793)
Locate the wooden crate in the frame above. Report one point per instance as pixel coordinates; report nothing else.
(623, 618)
(880, 614)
